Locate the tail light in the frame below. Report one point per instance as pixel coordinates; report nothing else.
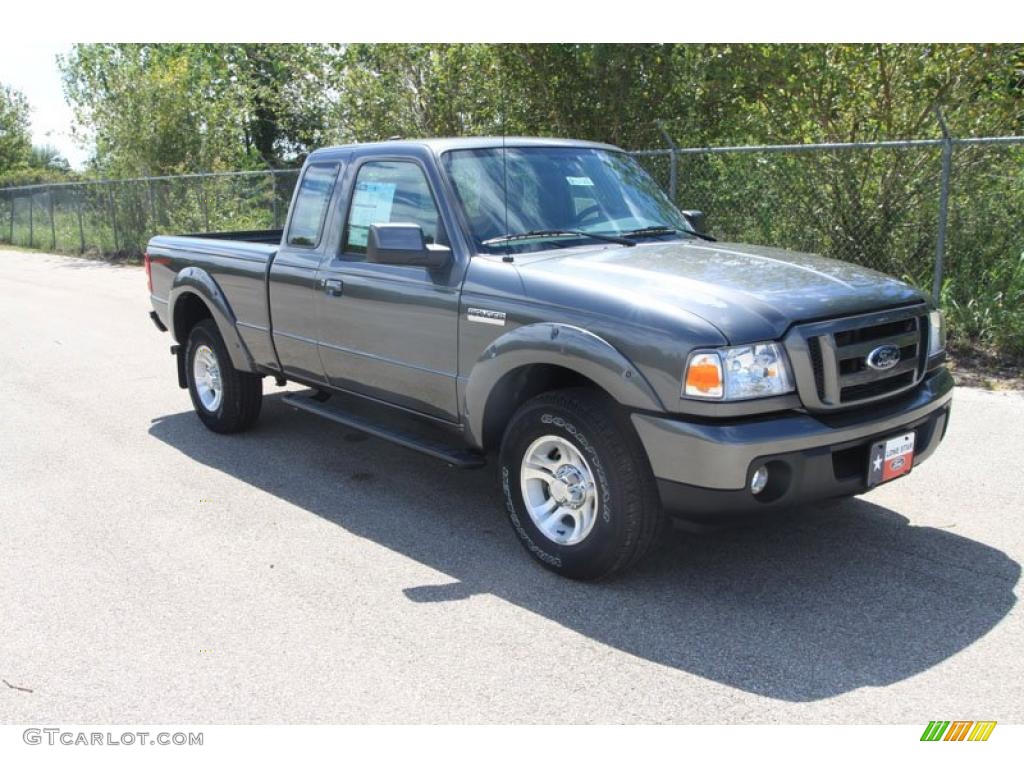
(149, 261)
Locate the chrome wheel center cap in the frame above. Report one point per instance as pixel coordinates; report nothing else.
(569, 487)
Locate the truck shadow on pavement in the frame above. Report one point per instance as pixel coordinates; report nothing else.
(799, 609)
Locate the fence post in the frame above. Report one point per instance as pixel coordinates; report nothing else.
(13, 198)
(81, 229)
(205, 203)
(31, 224)
(152, 207)
(940, 239)
(673, 159)
(53, 223)
(273, 192)
(113, 216)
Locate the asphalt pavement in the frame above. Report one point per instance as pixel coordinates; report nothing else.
(154, 572)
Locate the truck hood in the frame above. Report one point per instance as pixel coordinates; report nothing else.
(749, 293)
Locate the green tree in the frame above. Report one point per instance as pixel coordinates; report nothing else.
(153, 109)
(46, 157)
(172, 108)
(794, 93)
(414, 90)
(284, 94)
(15, 138)
(166, 108)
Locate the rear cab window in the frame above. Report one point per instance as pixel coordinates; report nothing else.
(315, 190)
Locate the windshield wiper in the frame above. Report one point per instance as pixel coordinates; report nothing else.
(539, 233)
(664, 230)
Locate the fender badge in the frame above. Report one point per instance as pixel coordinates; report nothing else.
(488, 316)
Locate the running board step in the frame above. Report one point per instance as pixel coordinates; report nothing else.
(461, 457)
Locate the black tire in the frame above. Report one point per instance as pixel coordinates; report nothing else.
(242, 393)
(629, 514)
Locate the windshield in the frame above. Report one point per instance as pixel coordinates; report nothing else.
(556, 195)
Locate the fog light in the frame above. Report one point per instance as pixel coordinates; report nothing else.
(759, 480)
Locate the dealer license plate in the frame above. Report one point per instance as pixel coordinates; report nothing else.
(890, 458)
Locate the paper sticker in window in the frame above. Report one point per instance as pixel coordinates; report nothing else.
(371, 205)
(580, 181)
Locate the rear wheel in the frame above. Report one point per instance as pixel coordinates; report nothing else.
(225, 399)
(578, 488)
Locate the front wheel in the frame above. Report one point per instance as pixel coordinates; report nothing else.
(578, 488)
(225, 399)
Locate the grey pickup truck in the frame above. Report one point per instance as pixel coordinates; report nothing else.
(543, 302)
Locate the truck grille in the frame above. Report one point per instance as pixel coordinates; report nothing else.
(830, 359)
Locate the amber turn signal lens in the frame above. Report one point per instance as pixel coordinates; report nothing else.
(704, 376)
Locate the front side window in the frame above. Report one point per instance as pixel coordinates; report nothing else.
(390, 192)
(554, 190)
(311, 204)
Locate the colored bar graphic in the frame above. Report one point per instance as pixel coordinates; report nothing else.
(982, 730)
(960, 730)
(935, 730)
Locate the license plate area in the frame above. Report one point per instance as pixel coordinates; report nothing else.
(890, 458)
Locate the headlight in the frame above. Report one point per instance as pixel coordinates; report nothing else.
(937, 334)
(738, 373)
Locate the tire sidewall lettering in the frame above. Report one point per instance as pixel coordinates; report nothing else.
(517, 523)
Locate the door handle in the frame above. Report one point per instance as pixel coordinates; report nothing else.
(332, 287)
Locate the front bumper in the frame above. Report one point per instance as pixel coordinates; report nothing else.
(704, 467)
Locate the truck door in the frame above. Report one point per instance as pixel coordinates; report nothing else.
(292, 279)
(391, 331)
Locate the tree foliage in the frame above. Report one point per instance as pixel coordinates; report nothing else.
(20, 162)
(15, 139)
(172, 108)
(176, 107)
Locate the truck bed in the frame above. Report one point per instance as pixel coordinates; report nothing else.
(238, 263)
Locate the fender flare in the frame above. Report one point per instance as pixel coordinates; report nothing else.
(558, 344)
(198, 282)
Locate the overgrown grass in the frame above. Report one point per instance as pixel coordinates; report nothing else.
(989, 312)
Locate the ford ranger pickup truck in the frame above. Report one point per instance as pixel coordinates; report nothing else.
(544, 303)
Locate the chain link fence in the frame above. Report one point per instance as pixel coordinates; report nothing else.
(945, 214)
(876, 207)
(117, 218)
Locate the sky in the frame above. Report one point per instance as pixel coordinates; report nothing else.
(32, 69)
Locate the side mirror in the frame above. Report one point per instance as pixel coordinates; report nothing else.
(404, 244)
(697, 221)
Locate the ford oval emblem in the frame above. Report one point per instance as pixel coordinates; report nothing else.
(883, 358)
